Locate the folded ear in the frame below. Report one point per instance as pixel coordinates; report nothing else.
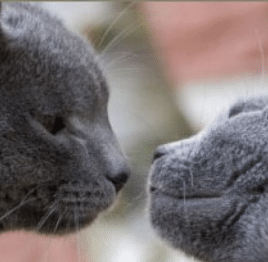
(265, 112)
(251, 104)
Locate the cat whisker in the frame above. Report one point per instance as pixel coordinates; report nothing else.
(76, 217)
(124, 33)
(114, 23)
(76, 220)
(16, 208)
(23, 202)
(46, 216)
(191, 162)
(192, 178)
(118, 59)
(59, 220)
(184, 199)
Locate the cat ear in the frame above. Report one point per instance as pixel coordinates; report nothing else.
(265, 113)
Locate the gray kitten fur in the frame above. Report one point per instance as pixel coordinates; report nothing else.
(209, 193)
(60, 163)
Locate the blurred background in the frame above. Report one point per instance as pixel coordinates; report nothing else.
(171, 68)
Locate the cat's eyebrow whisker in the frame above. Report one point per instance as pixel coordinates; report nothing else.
(118, 58)
(114, 23)
(47, 215)
(124, 33)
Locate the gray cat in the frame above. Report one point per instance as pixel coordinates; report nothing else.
(60, 162)
(209, 193)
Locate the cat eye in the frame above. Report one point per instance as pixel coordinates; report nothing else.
(53, 124)
(260, 189)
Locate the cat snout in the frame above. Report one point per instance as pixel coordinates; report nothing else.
(119, 177)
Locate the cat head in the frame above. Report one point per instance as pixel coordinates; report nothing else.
(60, 163)
(209, 193)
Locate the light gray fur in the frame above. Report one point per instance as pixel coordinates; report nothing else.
(52, 182)
(209, 193)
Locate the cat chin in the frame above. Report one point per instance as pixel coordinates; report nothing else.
(68, 217)
(51, 208)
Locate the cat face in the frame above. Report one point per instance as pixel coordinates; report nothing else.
(208, 193)
(60, 162)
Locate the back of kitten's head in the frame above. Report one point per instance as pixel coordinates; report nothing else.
(60, 163)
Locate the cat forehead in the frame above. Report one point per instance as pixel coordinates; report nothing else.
(39, 33)
(47, 56)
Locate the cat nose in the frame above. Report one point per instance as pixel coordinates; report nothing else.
(119, 178)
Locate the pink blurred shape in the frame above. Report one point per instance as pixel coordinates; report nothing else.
(197, 40)
(28, 247)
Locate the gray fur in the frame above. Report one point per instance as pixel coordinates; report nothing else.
(60, 163)
(209, 193)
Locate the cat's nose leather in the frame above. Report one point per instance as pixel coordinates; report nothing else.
(119, 178)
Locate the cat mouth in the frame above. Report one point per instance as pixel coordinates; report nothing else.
(188, 195)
